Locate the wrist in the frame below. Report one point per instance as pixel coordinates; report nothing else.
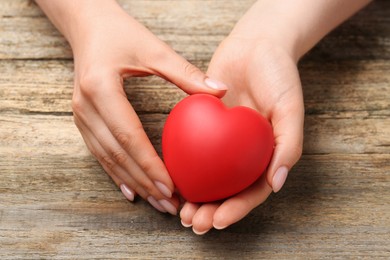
(285, 42)
(295, 26)
(75, 18)
(264, 23)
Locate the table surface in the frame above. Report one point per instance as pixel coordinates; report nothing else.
(57, 202)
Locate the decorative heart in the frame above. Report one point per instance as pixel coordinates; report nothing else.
(212, 152)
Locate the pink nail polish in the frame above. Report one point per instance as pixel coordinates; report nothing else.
(163, 189)
(185, 224)
(199, 233)
(129, 194)
(155, 204)
(219, 227)
(279, 178)
(168, 206)
(214, 84)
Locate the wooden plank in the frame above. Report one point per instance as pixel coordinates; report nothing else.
(57, 202)
(321, 212)
(158, 16)
(346, 89)
(363, 37)
(333, 89)
(45, 134)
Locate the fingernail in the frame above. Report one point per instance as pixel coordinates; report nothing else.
(219, 227)
(129, 194)
(279, 178)
(186, 224)
(163, 189)
(214, 84)
(155, 204)
(199, 233)
(168, 206)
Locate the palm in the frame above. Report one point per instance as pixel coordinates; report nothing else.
(265, 79)
(258, 75)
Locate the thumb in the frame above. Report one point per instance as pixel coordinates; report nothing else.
(288, 132)
(186, 76)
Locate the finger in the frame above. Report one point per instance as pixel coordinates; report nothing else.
(127, 184)
(238, 206)
(111, 155)
(187, 213)
(118, 127)
(288, 131)
(126, 190)
(202, 221)
(185, 75)
(118, 175)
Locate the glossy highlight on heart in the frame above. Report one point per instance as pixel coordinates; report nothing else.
(213, 152)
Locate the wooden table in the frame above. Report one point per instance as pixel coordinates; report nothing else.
(57, 202)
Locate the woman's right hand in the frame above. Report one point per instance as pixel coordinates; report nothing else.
(109, 46)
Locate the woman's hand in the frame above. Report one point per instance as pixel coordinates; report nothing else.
(108, 46)
(264, 77)
(258, 61)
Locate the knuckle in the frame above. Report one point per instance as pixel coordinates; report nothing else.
(91, 80)
(87, 84)
(124, 139)
(119, 157)
(128, 139)
(190, 69)
(106, 161)
(145, 165)
(77, 104)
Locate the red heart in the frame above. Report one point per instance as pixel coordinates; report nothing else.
(212, 152)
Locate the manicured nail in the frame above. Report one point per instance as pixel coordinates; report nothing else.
(168, 206)
(214, 84)
(199, 233)
(186, 224)
(163, 189)
(129, 194)
(155, 204)
(279, 178)
(219, 227)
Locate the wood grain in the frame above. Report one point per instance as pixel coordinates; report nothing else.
(56, 202)
(46, 86)
(340, 209)
(58, 135)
